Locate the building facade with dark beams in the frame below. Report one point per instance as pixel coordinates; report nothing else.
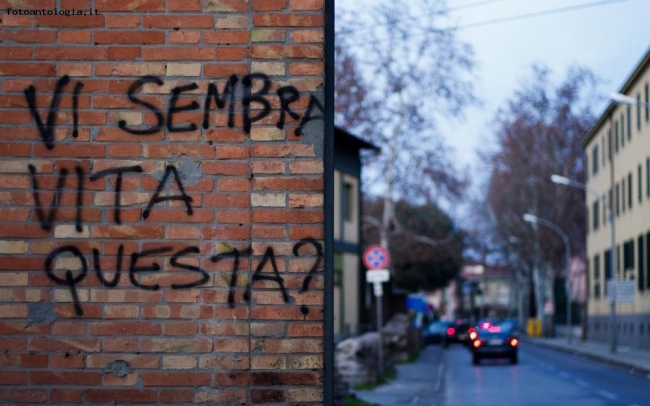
(617, 162)
(351, 297)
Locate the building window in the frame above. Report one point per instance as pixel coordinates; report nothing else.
(594, 159)
(641, 278)
(623, 195)
(647, 264)
(647, 106)
(622, 129)
(647, 176)
(597, 276)
(338, 268)
(596, 215)
(629, 190)
(618, 199)
(638, 111)
(347, 203)
(608, 264)
(602, 145)
(616, 136)
(609, 144)
(639, 182)
(629, 122)
(628, 255)
(604, 211)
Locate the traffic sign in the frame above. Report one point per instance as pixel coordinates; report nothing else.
(621, 290)
(549, 307)
(376, 257)
(377, 275)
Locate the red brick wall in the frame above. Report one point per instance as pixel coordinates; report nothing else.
(161, 202)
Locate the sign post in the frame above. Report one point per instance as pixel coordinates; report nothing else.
(376, 259)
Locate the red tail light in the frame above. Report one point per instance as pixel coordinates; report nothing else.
(514, 342)
(451, 331)
(472, 335)
(477, 343)
(494, 329)
(471, 330)
(486, 325)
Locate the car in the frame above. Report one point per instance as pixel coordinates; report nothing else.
(437, 332)
(496, 341)
(458, 332)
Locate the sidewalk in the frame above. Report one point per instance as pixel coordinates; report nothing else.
(634, 359)
(417, 383)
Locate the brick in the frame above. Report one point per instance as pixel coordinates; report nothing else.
(140, 5)
(177, 21)
(64, 378)
(176, 396)
(267, 5)
(285, 378)
(180, 345)
(121, 395)
(268, 35)
(168, 379)
(183, 69)
(225, 6)
(23, 396)
(179, 362)
(66, 395)
(307, 395)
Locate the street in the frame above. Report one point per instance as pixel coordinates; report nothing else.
(543, 377)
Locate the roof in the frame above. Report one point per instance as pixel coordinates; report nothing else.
(641, 66)
(349, 140)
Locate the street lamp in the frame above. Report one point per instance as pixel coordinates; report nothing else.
(561, 180)
(625, 99)
(567, 249)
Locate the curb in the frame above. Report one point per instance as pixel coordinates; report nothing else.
(634, 369)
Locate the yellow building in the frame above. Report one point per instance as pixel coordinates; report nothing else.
(350, 291)
(617, 161)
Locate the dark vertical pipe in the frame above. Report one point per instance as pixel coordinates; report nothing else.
(328, 150)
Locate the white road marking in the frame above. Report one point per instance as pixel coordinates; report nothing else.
(608, 395)
(582, 383)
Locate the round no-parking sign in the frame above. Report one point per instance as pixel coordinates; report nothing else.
(376, 257)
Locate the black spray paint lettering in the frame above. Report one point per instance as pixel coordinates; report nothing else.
(46, 130)
(259, 276)
(118, 185)
(154, 267)
(48, 217)
(136, 86)
(233, 278)
(157, 198)
(287, 95)
(135, 270)
(70, 280)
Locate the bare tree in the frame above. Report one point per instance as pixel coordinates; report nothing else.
(419, 71)
(538, 134)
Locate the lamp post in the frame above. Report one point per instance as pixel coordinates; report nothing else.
(567, 250)
(562, 180)
(625, 99)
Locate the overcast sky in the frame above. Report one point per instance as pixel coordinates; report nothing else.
(608, 37)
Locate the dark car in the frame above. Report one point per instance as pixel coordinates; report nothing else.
(437, 332)
(496, 341)
(458, 332)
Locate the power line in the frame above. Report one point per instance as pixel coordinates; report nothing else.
(539, 13)
(461, 7)
(501, 20)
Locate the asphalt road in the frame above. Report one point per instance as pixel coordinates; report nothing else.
(543, 377)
